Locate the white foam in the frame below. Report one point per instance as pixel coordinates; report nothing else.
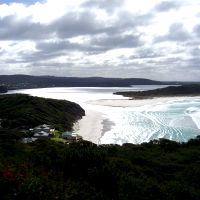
(175, 120)
(196, 118)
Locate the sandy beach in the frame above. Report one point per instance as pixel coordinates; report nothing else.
(92, 126)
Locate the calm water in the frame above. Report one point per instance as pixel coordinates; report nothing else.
(175, 120)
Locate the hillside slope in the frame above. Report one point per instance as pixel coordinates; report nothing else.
(25, 81)
(3, 89)
(158, 170)
(184, 90)
(22, 110)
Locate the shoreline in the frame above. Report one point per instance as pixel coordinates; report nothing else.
(90, 127)
(95, 124)
(123, 103)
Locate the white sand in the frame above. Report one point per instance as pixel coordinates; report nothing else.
(136, 103)
(90, 126)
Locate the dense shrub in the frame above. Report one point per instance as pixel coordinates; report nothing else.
(50, 170)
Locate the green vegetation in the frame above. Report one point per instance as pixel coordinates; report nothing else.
(57, 136)
(23, 111)
(52, 169)
(57, 139)
(185, 90)
(26, 81)
(160, 169)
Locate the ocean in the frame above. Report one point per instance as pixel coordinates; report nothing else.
(174, 120)
(177, 120)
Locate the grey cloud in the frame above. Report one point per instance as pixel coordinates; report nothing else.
(118, 41)
(167, 5)
(103, 4)
(97, 45)
(193, 63)
(21, 29)
(176, 33)
(51, 50)
(52, 46)
(70, 25)
(196, 30)
(75, 24)
(2, 51)
(114, 34)
(58, 69)
(85, 23)
(58, 46)
(178, 68)
(146, 53)
(41, 55)
(102, 37)
(195, 51)
(52, 64)
(67, 46)
(167, 62)
(126, 19)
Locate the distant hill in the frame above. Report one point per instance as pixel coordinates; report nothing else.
(22, 110)
(25, 81)
(185, 90)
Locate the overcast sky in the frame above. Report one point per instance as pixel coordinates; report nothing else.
(110, 38)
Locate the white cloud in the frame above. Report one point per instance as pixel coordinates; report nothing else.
(133, 38)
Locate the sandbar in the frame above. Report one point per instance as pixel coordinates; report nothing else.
(137, 102)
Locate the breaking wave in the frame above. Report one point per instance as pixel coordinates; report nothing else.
(175, 120)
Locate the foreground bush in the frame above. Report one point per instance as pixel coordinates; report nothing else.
(161, 169)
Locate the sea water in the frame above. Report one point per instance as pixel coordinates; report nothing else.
(174, 120)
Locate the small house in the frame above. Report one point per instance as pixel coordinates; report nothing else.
(67, 135)
(71, 136)
(45, 128)
(29, 140)
(42, 135)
